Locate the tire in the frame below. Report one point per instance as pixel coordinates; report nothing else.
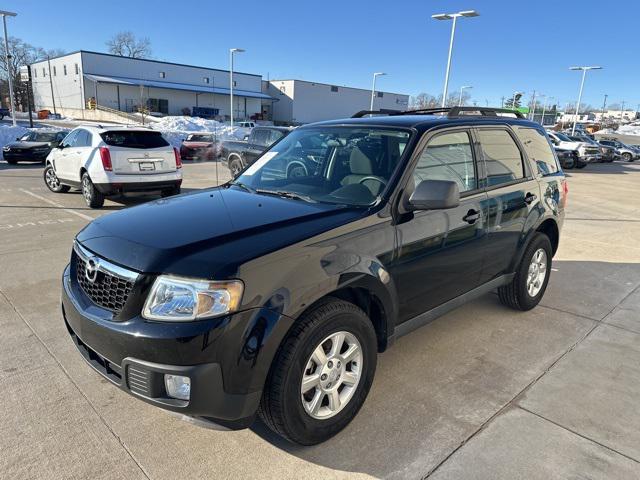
(52, 182)
(170, 192)
(569, 164)
(92, 197)
(627, 157)
(235, 166)
(518, 294)
(282, 408)
(12, 161)
(580, 164)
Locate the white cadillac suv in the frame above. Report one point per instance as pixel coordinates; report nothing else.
(106, 161)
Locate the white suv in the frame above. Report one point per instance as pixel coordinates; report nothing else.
(113, 160)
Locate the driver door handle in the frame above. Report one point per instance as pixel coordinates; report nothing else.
(472, 216)
(530, 198)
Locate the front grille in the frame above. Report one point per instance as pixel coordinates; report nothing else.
(108, 289)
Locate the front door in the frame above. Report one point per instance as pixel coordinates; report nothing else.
(440, 252)
(63, 160)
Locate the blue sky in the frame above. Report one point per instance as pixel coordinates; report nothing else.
(513, 45)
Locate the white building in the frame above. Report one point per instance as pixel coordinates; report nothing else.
(299, 101)
(628, 115)
(123, 83)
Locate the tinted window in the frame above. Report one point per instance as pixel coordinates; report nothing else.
(274, 136)
(70, 140)
(261, 137)
(199, 138)
(538, 150)
(83, 139)
(448, 157)
(134, 139)
(502, 157)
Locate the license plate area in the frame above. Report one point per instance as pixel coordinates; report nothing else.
(146, 166)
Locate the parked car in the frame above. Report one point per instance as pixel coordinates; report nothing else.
(104, 161)
(585, 151)
(625, 152)
(569, 159)
(198, 146)
(4, 112)
(608, 153)
(32, 146)
(245, 124)
(273, 296)
(237, 155)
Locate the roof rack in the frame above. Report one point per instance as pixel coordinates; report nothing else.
(450, 111)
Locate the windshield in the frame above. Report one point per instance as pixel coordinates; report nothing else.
(199, 138)
(346, 165)
(563, 137)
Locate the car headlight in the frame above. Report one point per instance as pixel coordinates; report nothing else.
(6, 149)
(186, 299)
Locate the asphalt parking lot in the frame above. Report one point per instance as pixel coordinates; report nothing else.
(483, 392)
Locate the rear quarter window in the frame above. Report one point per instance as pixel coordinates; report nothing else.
(538, 150)
(134, 139)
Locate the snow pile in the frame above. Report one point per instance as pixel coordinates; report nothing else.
(629, 129)
(176, 129)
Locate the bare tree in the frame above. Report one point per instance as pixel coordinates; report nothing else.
(127, 45)
(423, 100)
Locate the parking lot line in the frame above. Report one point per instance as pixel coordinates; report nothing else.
(51, 202)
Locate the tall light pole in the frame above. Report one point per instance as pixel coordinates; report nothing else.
(544, 109)
(584, 73)
(373, 87)
(7, 55)
(231, 52)
(513, 101)
(604, 104)
(454, 17)
(533, 101)
(464, 87)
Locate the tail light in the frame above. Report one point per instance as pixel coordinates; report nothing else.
(565, 193)
(105, 156)
(178, 159)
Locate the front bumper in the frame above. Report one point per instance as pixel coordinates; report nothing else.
(135, 354)
(25, 155)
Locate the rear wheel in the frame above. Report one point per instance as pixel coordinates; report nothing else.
(11, 161)
(235, 166)
(322, 373)
(532, 276)
(52, 181)
(92, 196)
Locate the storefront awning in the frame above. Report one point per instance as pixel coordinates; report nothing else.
(136, 82)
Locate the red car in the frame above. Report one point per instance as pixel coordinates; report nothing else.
(198, 146)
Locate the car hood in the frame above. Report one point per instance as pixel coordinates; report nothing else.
(28, 144)
(209, 233)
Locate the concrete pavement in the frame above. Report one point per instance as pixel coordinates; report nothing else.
(483, 392)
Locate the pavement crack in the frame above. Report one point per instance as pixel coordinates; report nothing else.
(66, 373)
(542, 417)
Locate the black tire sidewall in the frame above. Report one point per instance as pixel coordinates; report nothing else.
(303, 428)
(97, 199)
(232, 163)
(526, 301)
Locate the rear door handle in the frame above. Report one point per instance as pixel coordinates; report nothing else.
(530, 198)
(472, 216)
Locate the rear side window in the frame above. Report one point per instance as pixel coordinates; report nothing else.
(448, 157)
(134, 139)
(261, 137)
(538, 149)
(502, 157)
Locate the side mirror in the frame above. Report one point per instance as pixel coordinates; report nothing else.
(18, 139)
(60, 146)
(435, 195)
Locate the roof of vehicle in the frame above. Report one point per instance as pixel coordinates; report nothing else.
(271, 127)
(108, 128)
(423, 120)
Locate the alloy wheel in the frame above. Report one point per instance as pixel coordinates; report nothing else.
(52, 179)
(86, 188)
(537, 272)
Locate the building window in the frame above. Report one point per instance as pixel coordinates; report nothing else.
(35, 73)
(77, 69)
(162, 74)
(380, 94)
(235, 84)
(206, 79)
(54, 70)
(44, 72)
(64, 69)
(282, 90)
(334, 88)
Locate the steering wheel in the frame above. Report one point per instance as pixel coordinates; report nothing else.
(377, 179)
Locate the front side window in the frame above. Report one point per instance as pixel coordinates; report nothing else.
(448, 156)
(83, 139)
(70, 140)
(260, 137)
(538, 149)
(343, 165)
(502, 157)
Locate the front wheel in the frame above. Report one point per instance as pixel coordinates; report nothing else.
(92, 197)
(235, 166)
(52, 181)
(627, 157)
(322, 373)
(532, 276)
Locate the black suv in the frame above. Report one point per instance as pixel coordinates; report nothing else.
(272, 295)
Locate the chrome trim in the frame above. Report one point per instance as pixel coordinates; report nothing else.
(104, 265)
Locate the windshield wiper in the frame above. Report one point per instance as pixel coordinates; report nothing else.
(286, 194)
(244, 186)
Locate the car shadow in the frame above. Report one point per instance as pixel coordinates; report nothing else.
(437, 386)
(22, 165)
(616, 167)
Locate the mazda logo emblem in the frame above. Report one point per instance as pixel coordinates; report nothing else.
(91, 269)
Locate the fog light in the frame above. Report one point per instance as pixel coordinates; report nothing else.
(178, 386)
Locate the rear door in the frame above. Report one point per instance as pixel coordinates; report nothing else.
(513, 192)
(139, 152)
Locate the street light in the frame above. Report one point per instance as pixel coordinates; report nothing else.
(6, 14)
(373, 87)
(231, 52)
(461, 89)
(454, 17)
(584, 73)
(513, 102)
(533, 112)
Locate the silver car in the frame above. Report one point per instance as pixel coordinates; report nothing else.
(625, 152)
